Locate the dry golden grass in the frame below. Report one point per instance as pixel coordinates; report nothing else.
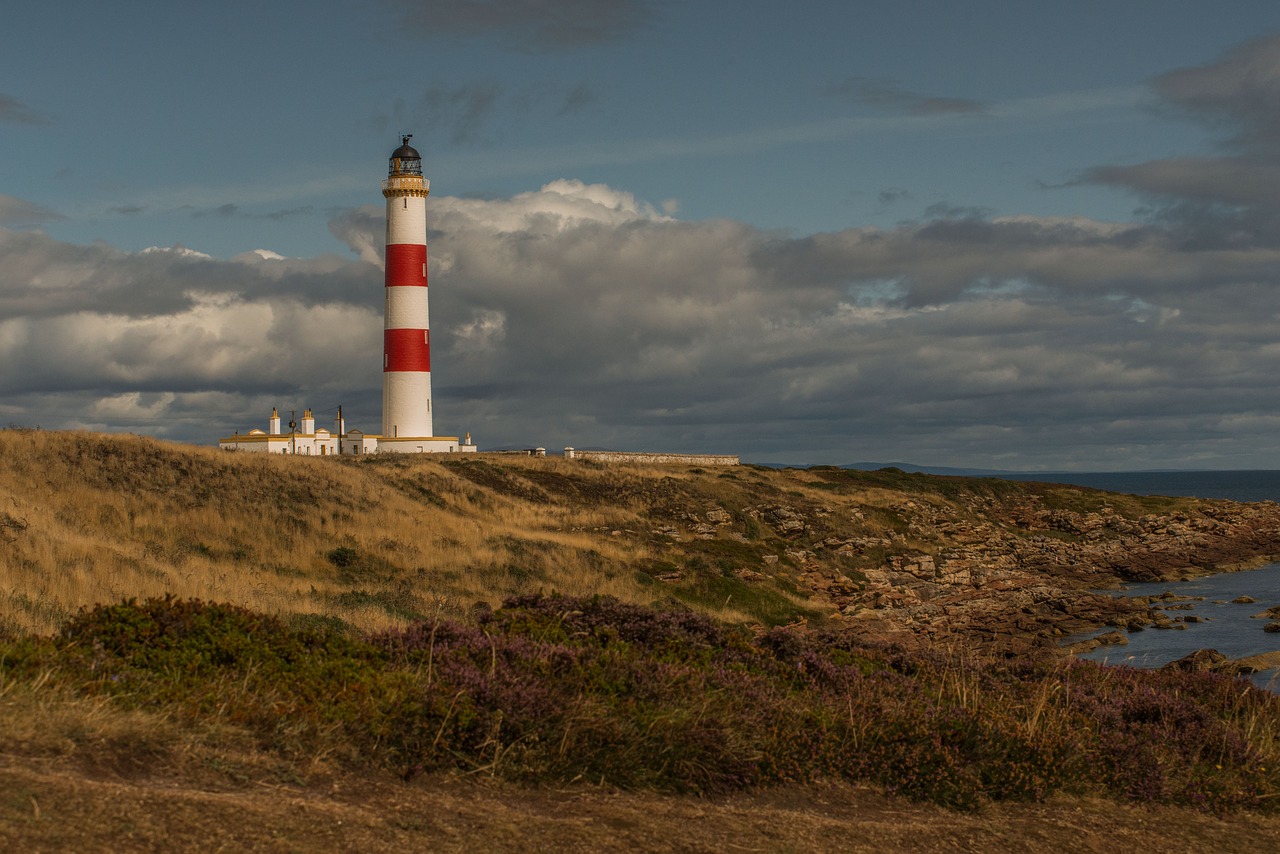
(99, 518)
(43, 716)
(380, 540)
(96, 518)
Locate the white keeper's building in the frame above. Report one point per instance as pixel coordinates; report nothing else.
(304, 438)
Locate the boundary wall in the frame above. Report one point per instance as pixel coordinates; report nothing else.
(645, 458)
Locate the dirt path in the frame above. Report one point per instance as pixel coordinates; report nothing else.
(48, 806)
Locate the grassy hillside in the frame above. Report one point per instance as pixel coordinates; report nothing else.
(374, 541)
(380, 541)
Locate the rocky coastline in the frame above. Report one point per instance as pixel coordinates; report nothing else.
(1007, 594)
(1007, 575)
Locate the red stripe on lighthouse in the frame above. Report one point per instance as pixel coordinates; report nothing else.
(406, 350)
(406, 264)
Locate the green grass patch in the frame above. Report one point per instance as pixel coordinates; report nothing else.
(762, 601)
(727, 554)
(417, 491)
(395, 603)
(357, 567)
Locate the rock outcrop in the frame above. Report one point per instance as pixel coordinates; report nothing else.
(1216, 662)
(1008, 571)
(1019, 588)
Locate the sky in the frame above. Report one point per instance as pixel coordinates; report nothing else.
(1006, 235)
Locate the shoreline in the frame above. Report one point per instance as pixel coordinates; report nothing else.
(1217, 622)
(1046, 587)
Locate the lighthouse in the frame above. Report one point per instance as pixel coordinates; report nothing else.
(406, 342)
(406, 337)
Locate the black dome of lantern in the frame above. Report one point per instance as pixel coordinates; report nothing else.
(405, 160)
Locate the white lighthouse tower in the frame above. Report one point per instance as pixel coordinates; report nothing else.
(406, 339)
(406, 336)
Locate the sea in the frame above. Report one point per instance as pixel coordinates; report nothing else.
(1231, 628)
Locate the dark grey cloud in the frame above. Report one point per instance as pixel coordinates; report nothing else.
(1232, 196)
(578, 99)
(891, 196)
(19, 213)
(531, 26)
(13, 110)
(880, 92)
(288, 213)
(476, 113)
(232, 210)
(948, 211)
(462, 112)
(1240, 93)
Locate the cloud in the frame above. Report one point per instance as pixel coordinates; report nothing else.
(474, 114)
(15, 212)
(1242, 90)
(230, 210)
(177, 250)
(891, 196)
(557, 206)
(13, 110)
(879, 92)
(356, 227)
(578, 99)
(464, 110)
(945, 210)
(579, 314)
(42, 277)
(1230, 197)
(531, 26)
(1041, 112)
(160, 340)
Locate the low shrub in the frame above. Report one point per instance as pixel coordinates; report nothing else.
(558, 689)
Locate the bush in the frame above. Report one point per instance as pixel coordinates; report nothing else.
(343, 556)
(557, 689)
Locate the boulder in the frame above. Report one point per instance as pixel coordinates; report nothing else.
(1254, 663)
(719, 516)
(1200, 660)
(785, 521)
